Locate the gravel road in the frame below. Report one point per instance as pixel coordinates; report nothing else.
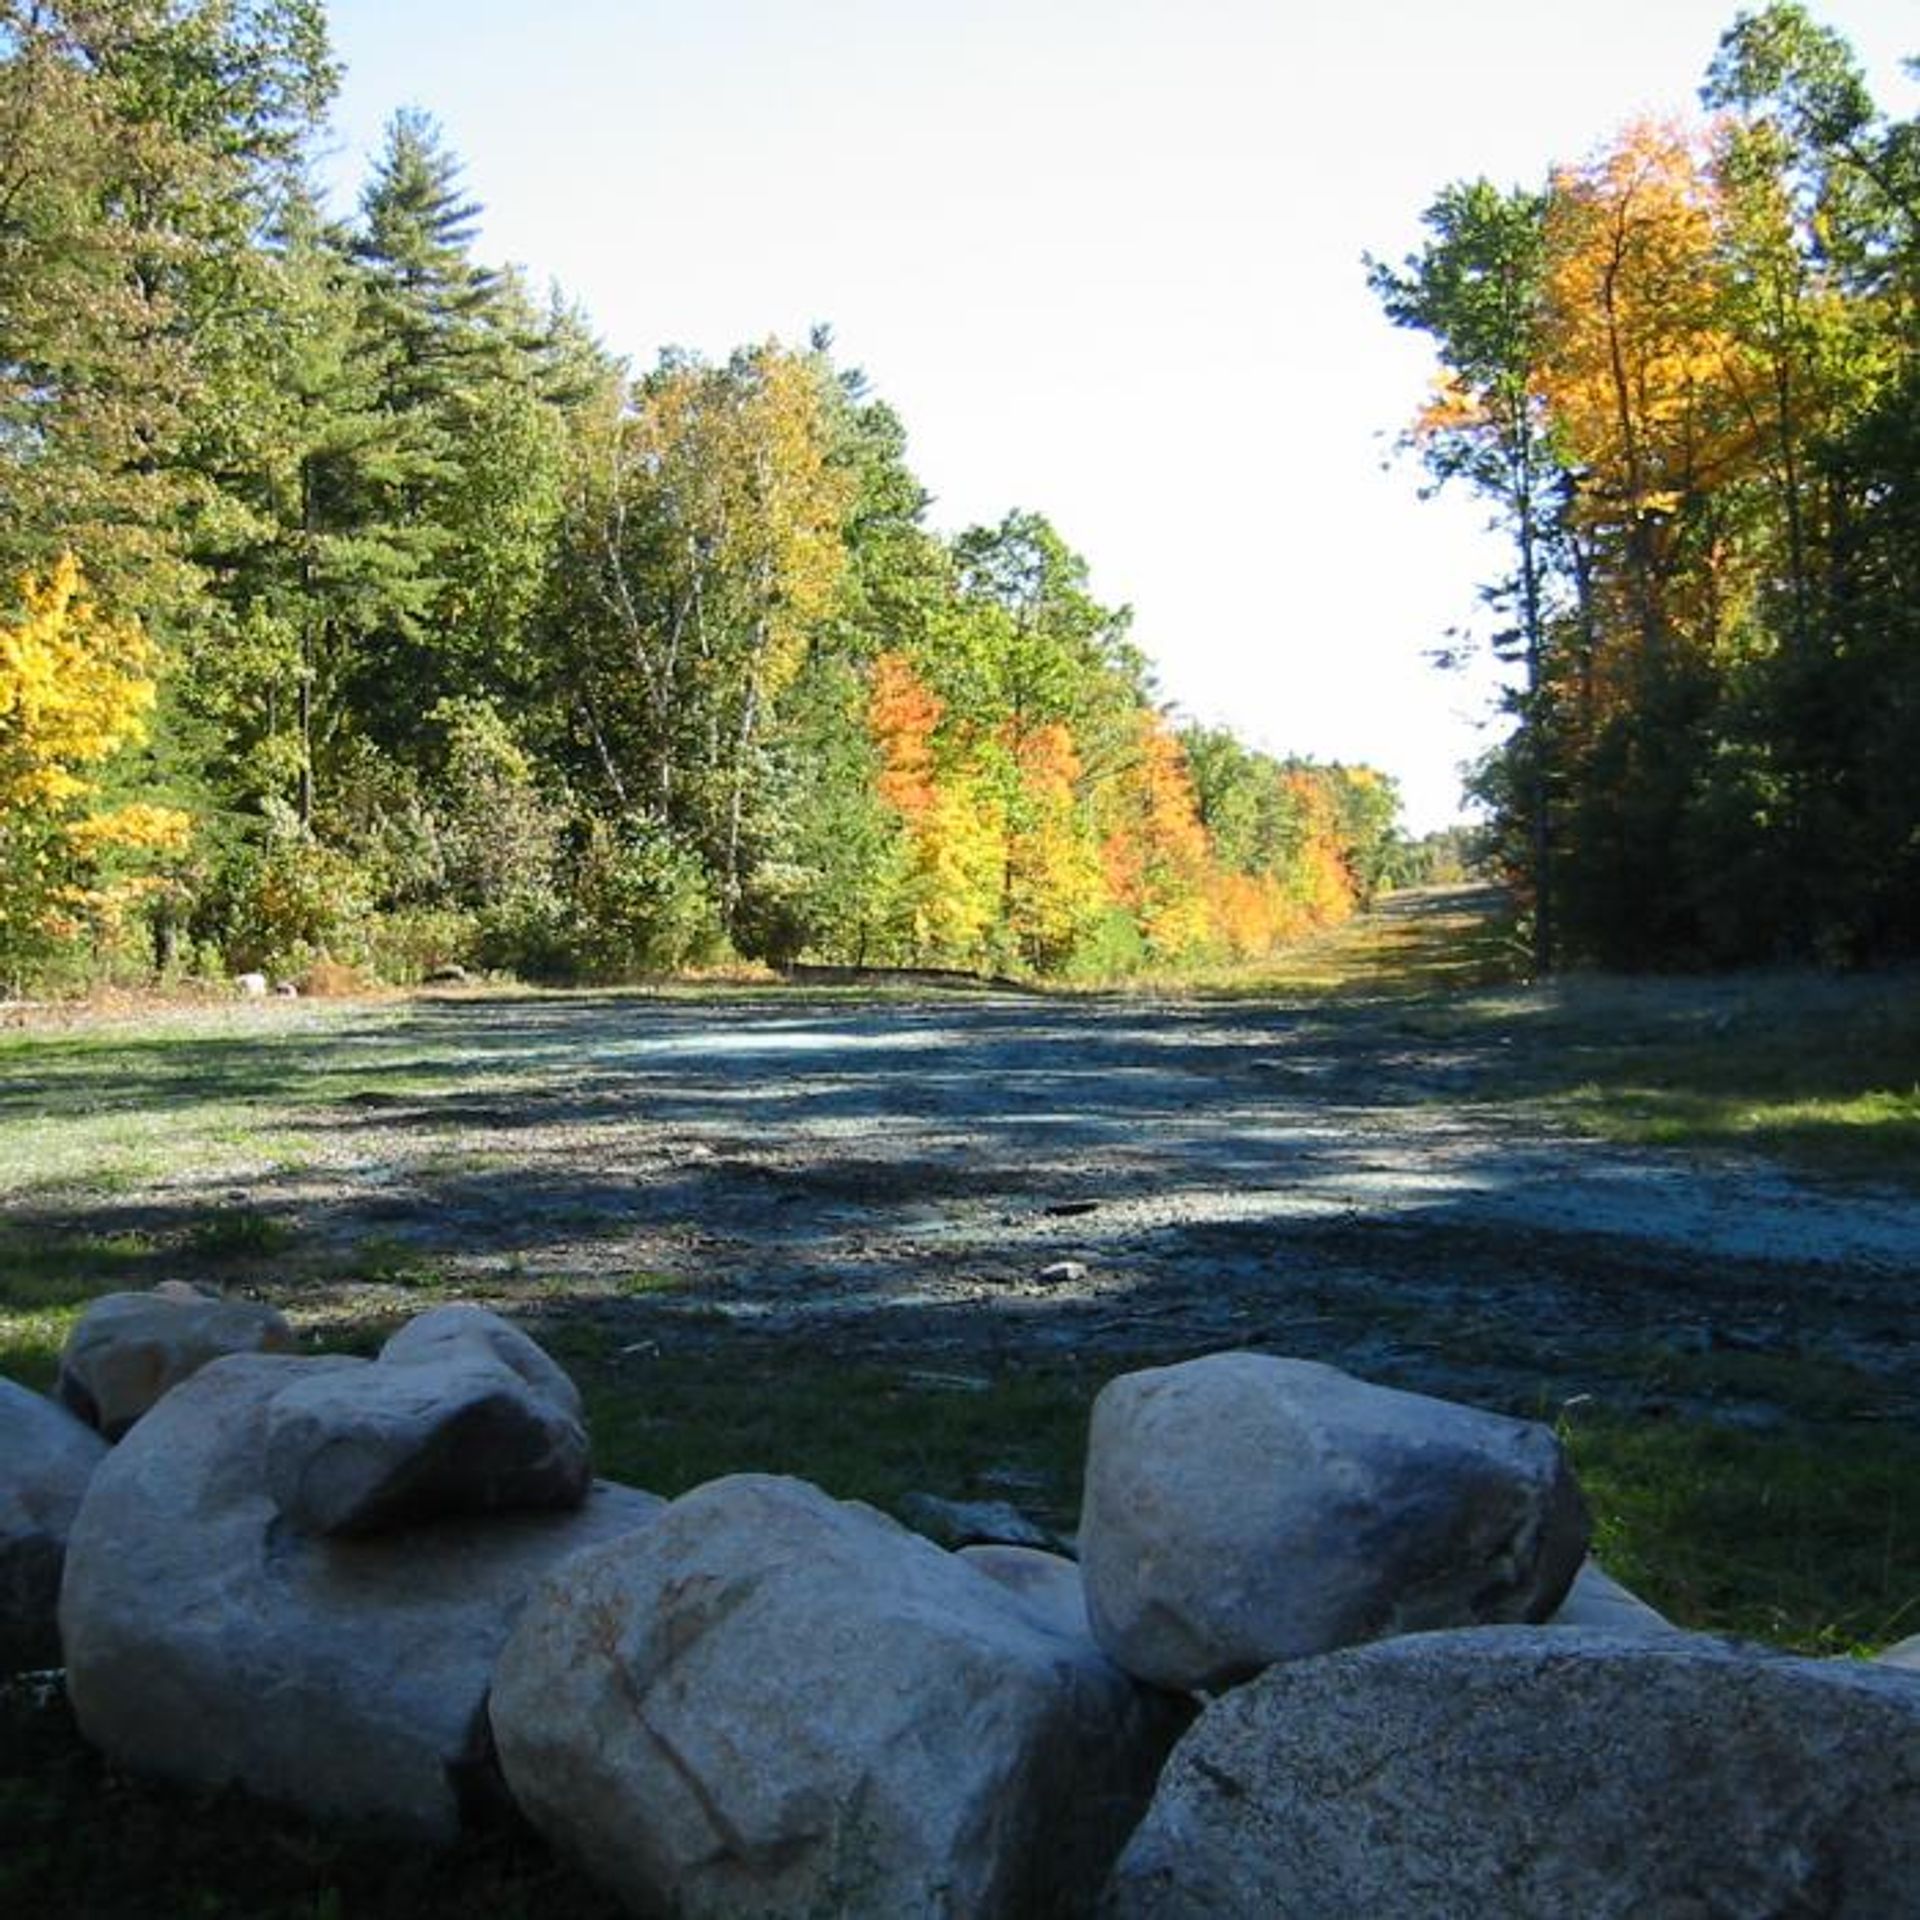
(947, 1172)
(968, 1173)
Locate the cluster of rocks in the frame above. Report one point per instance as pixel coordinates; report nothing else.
(255, 986)
(1295, 1668)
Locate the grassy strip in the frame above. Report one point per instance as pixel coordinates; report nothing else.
(1820, 1072)
(1808, 1539)
(1416, 946)
(1754, 1093)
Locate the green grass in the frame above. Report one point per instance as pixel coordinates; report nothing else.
(864, 1432)
(31, 1339)
(1870, 1135)
(1820, 1073)
(238, 1233)
(387, 1260)
(1807, 1539)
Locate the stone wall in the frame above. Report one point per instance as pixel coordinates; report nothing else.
(1326, 1649)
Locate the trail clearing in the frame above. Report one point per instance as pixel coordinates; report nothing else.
(1338, 1177)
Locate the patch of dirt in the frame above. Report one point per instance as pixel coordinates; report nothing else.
(1316, 1180)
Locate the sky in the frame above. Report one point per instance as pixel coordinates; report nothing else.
(1104, 258)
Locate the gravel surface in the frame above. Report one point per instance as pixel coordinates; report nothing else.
(980, 1172)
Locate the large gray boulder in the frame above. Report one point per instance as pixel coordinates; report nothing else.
(461, 1413)
(1242, 1509)
(47, 1458)
(128, 1349)
(1903, 1655)
(772, 1703)
(1597, 1600)
(463, 1331)
(1047, 1584)
(1540, 1771)
(209, 1640)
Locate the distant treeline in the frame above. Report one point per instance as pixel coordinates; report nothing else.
(367, 607)
(1686, 373)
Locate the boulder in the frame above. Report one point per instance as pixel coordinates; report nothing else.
(47, 1457)
(128, 1349)
(461, 1413)
(1596, 1599)
(970, 1523)
(1242, 1509)
(1047, 1584)
(769, 1702)
(1540, 1771)
(461, 1330)
(209, 1640)
(1903, 1654)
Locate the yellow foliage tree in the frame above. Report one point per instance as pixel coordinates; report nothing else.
(76, 686)
(959, 858)
(1055, 889)
(1641, 375)
(1321, 883)
(1251, 913)
(956, 825)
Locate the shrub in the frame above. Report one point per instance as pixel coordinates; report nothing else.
(644, 903)
(406, 945)
(533, 933)
(286, 899)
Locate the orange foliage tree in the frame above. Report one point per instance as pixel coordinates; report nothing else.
(1644, 380)
(1155, 850)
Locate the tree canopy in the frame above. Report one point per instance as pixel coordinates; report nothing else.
(1685, 369)
(395, 619)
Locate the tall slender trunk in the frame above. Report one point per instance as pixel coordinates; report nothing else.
(737, 799)
(303, 695)
(1538, 717)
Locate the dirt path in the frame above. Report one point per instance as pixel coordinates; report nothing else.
(960, 1174)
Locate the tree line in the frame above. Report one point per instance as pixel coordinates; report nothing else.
(367, 606)
(1684, 373)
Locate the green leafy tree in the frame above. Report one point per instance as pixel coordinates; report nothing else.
(143, 148)
(319, 551)
(705, 551)
(1476, 289)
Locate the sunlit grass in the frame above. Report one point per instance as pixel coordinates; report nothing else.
(1414, 945)
(46, 1270)
(31, 1340)
(1819, 1072)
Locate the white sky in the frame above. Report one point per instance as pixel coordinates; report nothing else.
(1103, 257)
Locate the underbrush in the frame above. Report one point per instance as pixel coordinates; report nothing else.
(78, 1838)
